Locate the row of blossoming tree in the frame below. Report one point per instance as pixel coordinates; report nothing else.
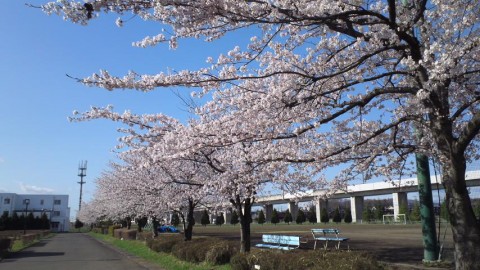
(358, 85)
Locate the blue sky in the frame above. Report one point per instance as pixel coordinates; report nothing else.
(39, 148)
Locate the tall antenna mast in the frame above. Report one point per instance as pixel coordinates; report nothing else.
(82, 172)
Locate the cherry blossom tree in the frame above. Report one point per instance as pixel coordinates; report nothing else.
(149, 175)
(366, 84)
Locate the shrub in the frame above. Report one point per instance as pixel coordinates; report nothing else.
(314, 260)
(117, 233)
(190, 251)
(240, 262)
(112, 228)
(164, 246)
(288, 217)
(348, 216)
(28, 238)
(129, 234)
(300, 217)
(336, 216)
(261, 217)
(220, 252)
(312, 215)
(212, 250)
(324, 216)
(274, 219)
(143, 236)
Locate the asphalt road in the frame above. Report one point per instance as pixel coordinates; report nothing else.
(72, 251)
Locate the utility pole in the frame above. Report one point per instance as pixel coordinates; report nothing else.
(427, 214)
(82, 172)
(430, 245)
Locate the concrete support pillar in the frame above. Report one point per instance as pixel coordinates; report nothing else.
(268, 210)
(319, 205)
(356, 208)
(293, 208)
(399, 200)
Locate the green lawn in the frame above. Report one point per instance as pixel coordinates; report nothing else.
(165, 261)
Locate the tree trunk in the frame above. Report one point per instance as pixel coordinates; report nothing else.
(465, 227)
(154, 226)
(244, 217)
(188, 227)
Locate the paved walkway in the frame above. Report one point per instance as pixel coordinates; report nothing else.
(72, 251)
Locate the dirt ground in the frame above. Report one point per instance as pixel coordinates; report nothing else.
(394, 244)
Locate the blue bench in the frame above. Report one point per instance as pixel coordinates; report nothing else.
(285, 242)
(327, 235)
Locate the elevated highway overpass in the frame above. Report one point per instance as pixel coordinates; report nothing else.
(356, 193)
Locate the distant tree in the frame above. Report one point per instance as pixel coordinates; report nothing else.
(220, 220)
(288, 217)
(78, 224)
(336, 216)
(261, 217)
(30, 221)
(301, 218)
(3, 222)
(312, 215)
(403, 209)
(205, 219)
(415, 214)
(141, 222)
(378, 215)
(234, 220)
(128, 221)
(367, 215)
(348, 216)
(175, 219)
(274, 219)
(324, 216)
(37, 223)
(476, 209)
(155, 225)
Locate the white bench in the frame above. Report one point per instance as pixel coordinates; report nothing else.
(285, 242)
(327, 235)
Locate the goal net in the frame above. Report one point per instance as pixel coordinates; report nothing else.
(395, 219)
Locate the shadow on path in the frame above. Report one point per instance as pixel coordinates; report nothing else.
(30, 254)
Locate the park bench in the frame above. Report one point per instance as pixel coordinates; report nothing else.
(327, 235)
(285, 242)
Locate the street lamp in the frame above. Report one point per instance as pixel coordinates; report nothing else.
(26, 202)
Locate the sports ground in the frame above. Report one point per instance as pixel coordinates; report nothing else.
(388, 243)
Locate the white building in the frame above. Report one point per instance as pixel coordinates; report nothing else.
(54, 206)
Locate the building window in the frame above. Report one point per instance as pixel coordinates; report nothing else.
(41, 202)
(6, 201)
(56, 213)
(57, 202)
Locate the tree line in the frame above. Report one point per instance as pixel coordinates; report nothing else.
(30, 222)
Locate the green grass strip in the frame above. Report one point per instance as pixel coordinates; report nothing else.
(164, 260)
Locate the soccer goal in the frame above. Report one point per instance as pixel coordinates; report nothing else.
(395, 219)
